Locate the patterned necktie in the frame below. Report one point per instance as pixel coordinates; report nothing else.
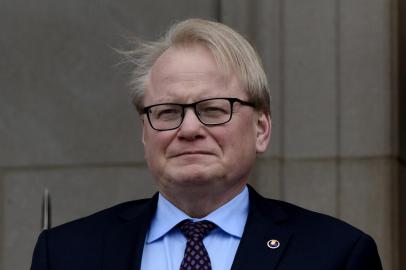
(196, 256)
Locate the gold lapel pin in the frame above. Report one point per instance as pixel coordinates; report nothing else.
(273, 244)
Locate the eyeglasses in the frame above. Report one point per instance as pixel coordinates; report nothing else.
(210, 112)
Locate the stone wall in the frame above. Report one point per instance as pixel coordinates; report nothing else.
(66, 123)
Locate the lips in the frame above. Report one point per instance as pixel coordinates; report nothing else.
(185, 153)
(190, 153)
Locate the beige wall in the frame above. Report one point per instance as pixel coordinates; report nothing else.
(66, 123)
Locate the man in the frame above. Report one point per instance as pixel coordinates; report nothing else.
(204, 102)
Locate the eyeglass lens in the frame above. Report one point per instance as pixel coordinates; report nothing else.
(209, 112)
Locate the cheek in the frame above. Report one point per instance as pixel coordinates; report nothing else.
(243, 140)
(155, 143)
(153, 152)
(237, 143)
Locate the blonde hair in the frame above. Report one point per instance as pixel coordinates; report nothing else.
(231, 51)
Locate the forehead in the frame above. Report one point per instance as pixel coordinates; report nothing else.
(188, 71)
(184, 59)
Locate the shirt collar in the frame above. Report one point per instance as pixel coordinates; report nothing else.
(230, 217)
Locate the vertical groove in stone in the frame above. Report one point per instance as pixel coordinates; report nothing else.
(338, 107)
(2, 206)
(395, 116)
(399, 261)
(219, 11)
(282, 96)
(395, 213)
(251, 7)
(395, 123)
(400, 9)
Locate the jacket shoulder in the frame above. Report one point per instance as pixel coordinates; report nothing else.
(78, 244)
(96, 223)
(327, 237)
(305, 219)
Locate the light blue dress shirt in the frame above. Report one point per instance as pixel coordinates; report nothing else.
(165, 245)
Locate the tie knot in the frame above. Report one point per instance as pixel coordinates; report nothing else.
(196, 230)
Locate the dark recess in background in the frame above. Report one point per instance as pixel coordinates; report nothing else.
(402, 127)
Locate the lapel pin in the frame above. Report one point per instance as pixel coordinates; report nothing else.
(273, 244)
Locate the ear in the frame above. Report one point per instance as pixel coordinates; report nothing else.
(142, 122)
(263, 126)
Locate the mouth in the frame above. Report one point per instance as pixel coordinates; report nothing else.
(192, 153)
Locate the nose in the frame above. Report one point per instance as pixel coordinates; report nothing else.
(191, 127)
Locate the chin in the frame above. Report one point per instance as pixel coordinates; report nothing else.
(190, 178)
(194, 179)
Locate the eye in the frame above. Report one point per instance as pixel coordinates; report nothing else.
(213, 110)
(166, 113)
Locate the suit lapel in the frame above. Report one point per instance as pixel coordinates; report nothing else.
(123, 245)
(263, 224)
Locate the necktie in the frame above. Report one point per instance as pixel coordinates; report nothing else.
(196, 256)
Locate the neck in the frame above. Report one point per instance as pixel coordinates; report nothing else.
(200, 202)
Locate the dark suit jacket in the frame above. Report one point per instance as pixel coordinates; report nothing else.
(113, 239)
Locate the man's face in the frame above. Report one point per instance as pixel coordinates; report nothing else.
(196, 157)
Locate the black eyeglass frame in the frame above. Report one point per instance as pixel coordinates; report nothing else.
(146, 110)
